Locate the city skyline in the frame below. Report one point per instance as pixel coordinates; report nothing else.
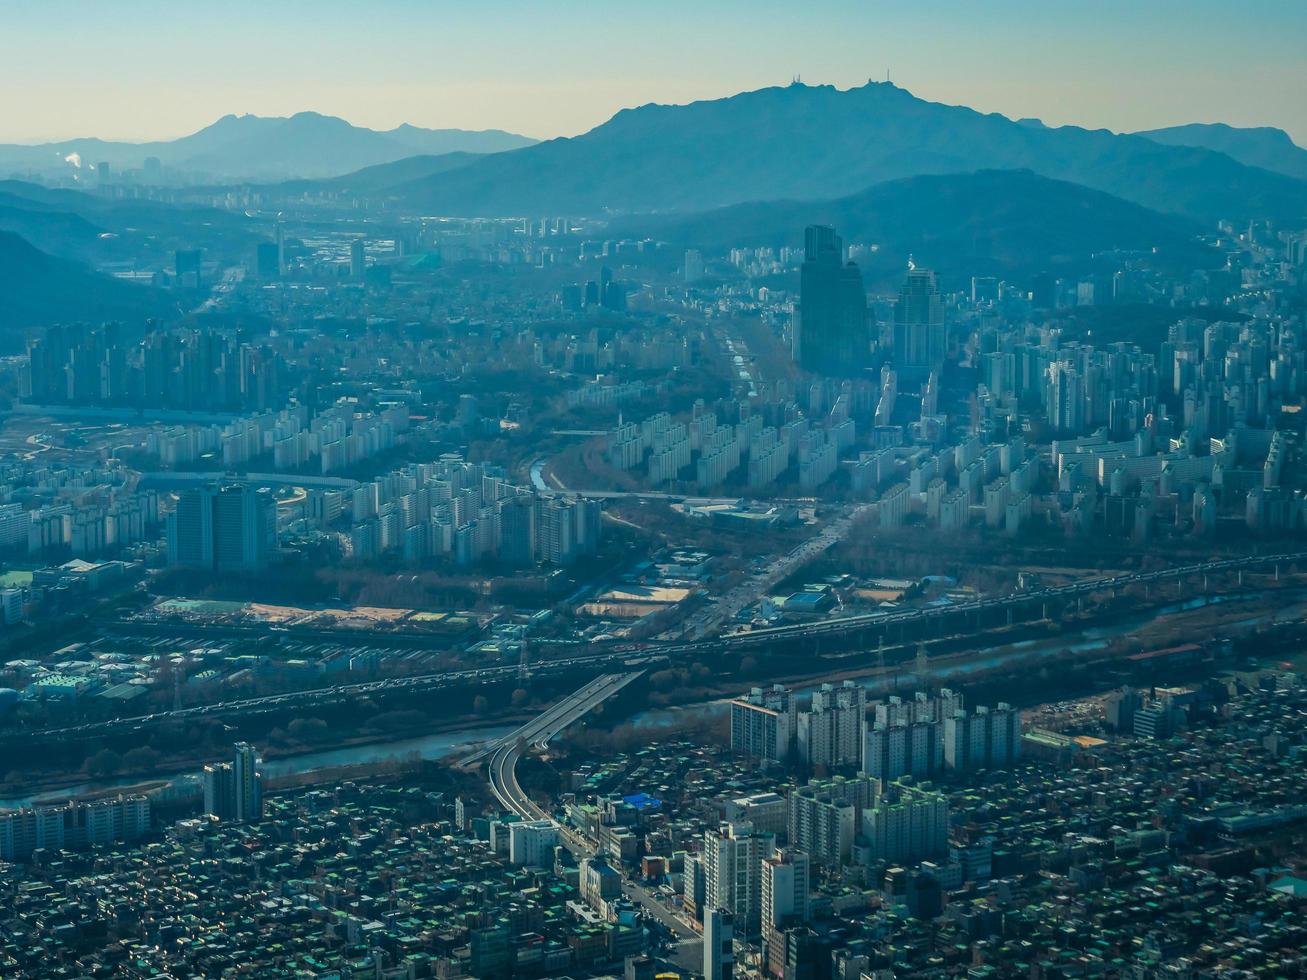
(844, 516)
(438, 67)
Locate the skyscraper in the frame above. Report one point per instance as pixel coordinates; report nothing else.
(919, 325)
(830, 336)
(357, 260)
(223, 529)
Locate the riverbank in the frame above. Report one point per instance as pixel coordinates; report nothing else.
(362, 750)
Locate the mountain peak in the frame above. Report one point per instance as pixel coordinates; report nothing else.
(818, 142)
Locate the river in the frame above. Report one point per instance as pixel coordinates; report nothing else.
(434, 746)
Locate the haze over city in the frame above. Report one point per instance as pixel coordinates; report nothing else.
(839, 513)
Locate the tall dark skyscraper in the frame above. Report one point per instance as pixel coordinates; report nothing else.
(223, 529)
(831, 334)
(918, 325)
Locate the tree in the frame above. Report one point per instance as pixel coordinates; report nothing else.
(480, 705)
(520, 697)
(308, 729)
(106, 762)
(141, 759)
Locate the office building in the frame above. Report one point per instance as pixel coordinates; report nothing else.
(693, 265)
(357, 260)
(491, 951)
(223, 529)
(768, 812)
(600, 883)
(830, 335)
(266, 262)
(919, 332)
(531, 843)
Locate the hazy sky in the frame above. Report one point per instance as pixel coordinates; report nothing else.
(142, 69)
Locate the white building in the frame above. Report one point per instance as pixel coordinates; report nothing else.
(531, 843)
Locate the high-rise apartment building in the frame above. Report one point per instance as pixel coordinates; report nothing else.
(763, 723)
(718, 945)
(909, 822)
(72, 825)
(234, 790)
(785, 883)
(985, 739)
(903, 749)
(567, 528)
(824, 816)
(732, 863)
(830, 733)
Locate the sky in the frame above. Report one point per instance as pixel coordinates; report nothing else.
(146, 69)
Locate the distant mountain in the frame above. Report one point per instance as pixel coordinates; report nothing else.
(56, 232)
(242, 148)
(39, 289)
(383, 178)
(994, 222)
(1262, 146)
(92, 228)
(819, 143)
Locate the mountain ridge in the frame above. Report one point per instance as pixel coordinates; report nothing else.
(41, 289)
(1259, 146)
(251, 147)
(820, 142)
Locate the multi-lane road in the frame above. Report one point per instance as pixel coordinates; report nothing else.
(844, 625)
(757, 585)
(333, 695)
(618, 655)
(538, 732)
(503, 755)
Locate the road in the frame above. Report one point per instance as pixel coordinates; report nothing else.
(538, 732)
(728, 606)
(186, 479)
(854, 624)
(538, 483)
(501, 771)
(623, 653)
(324, 696)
